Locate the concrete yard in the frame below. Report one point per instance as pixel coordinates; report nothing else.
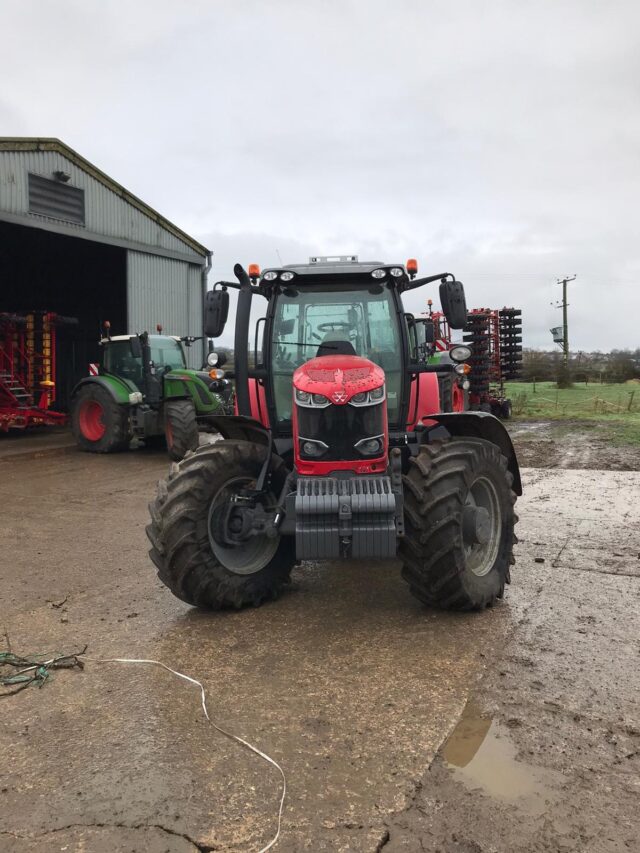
(346, 681)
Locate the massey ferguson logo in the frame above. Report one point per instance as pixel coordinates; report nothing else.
(339, 397)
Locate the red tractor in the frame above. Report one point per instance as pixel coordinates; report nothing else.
(339, 449)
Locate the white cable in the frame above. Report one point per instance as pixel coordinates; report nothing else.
(230, 735)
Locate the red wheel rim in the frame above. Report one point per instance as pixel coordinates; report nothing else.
(457, 399)
(168, 432)
(90, 419)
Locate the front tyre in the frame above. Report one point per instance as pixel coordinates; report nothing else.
(180, 428)
(186, 549)
(459, 524)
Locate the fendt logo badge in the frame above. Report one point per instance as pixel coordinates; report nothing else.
(339, 396)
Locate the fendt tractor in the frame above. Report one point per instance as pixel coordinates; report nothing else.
(339, 449)
(142, 388)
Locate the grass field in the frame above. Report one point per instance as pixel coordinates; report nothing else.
(614, 407)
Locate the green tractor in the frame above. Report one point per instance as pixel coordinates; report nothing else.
(143, 389)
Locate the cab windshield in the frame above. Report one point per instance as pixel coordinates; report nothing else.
(339, 320)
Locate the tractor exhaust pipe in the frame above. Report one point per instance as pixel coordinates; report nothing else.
(241, 353)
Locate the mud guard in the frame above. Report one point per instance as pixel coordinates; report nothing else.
(117, 388)
(239, 428)
(480, 425)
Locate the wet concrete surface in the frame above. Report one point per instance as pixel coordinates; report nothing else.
(346, 681)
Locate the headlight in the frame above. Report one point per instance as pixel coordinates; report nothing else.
(379, 273)
(212, 359)
(460, 353)
(311, 401)
(462, 369)
(370, 446)
(286, 276)
(396, 272)
(270, 275)
(313, 447)
(368, 398)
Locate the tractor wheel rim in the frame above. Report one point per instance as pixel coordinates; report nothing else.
(246, 558)
(482, 498)
(91, 423)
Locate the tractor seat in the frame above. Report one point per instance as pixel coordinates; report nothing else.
(335, 346)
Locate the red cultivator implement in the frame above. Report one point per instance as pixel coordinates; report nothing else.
(495, 340)
(28, 370)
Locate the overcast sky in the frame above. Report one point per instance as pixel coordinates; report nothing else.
(496, 140)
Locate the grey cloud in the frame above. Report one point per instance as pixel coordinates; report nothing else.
(498, 140)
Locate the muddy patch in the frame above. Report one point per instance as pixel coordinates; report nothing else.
(572, 445)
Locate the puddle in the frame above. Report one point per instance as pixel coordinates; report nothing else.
(481, 755)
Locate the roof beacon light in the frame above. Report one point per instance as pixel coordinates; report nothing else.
(254, 271)
(412, 267)
(287, 275)
(379, 273)
(396, 272)
(159, 328)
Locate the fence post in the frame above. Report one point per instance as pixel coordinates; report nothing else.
(631, 393)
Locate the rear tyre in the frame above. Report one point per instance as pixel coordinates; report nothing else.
(459, 520)
(186, 549)
(505, 410)
(98, 423)
(180, 428)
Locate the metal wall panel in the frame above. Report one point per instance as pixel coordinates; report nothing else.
(106, 212)
(160, 290)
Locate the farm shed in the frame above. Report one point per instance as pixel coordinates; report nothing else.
(76, 243)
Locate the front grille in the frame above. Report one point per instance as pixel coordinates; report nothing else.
(340, 428)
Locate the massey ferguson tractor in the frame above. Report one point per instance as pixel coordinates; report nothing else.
(339, 449)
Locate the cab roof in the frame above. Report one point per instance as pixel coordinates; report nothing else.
(324, 269)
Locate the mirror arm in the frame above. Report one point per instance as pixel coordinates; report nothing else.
(418, 282)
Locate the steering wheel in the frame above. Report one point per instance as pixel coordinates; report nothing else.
(336, 326)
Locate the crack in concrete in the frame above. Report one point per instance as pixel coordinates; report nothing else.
(202, 848)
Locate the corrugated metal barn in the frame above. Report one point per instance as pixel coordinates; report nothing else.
(75, 242)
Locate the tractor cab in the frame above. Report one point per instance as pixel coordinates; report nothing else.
(122, 356)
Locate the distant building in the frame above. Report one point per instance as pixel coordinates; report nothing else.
(75, 242)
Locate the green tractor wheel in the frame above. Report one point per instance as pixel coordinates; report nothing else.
(180, 428)
(98, 423)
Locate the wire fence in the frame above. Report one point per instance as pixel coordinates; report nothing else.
(627, 402)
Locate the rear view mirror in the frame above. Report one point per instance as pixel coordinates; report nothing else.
(216, 311)
(429, 332)
(135, 346)
(454, 304)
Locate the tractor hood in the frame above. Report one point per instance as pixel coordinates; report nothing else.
(338, 377)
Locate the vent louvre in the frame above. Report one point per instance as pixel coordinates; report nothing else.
(56, 200)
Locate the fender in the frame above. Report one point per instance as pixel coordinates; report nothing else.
(118, 388)
(239, 428)
(480, 425)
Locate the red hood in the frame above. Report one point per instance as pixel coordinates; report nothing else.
(338, 377)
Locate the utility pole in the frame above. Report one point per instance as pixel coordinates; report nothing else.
(565, 321)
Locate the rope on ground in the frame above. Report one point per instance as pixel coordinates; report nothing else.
(226, 733)
(18, 672)
(35, 669)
